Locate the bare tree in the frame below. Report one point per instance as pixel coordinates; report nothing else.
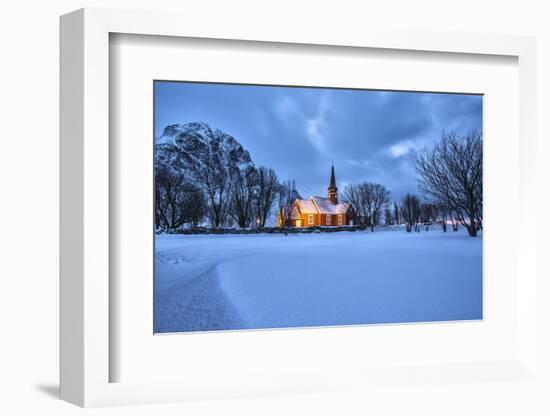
(375, 197)
(244, 189)
(169, 192)
(396, 213)
(368, 200)
(411, 212)
(177, 201)
(444, 215)
(195, 207)
(353, 194)
(215, 179)
(452, 172)
(287, 196)
(428, 212)
(454, 223)
(388, 220)
(268, 186)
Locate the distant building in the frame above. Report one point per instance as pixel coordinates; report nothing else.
(318, 211)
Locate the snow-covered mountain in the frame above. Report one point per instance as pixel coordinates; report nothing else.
(198, 149)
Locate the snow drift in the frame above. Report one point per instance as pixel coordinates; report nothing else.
(207, 282)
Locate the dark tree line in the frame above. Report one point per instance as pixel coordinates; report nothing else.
(413, 212)
(224, 196)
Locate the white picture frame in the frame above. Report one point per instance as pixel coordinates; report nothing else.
(85, 207)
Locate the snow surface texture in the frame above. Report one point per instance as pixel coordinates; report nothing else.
(227, 282)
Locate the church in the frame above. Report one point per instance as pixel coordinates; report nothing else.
(318, 211)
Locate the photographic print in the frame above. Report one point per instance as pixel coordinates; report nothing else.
(293, 207)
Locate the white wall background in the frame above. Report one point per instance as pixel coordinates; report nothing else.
(29, 206)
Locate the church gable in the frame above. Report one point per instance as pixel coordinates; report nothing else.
(306, 206)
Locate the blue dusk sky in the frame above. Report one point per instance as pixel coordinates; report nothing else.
(371, 135)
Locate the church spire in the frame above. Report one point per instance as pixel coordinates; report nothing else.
(332, 189)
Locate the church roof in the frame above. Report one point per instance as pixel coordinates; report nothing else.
(326, 206)
(306, 206)
(319, 205)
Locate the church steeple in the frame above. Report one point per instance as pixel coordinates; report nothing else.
(332, 189)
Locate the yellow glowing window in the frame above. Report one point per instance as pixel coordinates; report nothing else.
(340, 219)
(310, 219)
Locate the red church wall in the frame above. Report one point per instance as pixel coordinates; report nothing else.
(305, 220)
(319, 220)
(333, 220)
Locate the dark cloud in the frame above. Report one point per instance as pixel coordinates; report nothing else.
(371, 135)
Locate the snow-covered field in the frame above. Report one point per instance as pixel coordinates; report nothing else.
(223, 282)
